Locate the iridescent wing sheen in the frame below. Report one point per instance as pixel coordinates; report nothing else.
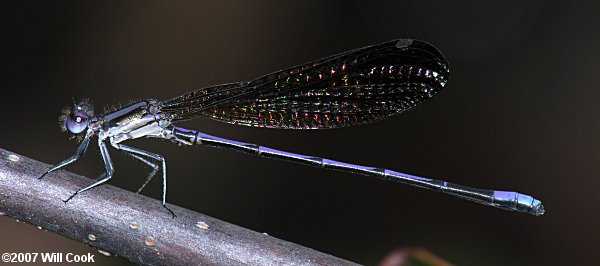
(349, 88)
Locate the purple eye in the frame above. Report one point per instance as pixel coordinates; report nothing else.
(78, 119)
(76, 122)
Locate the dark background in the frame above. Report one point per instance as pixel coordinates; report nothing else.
(519, 113)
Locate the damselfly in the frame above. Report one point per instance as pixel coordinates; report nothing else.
(350, 88)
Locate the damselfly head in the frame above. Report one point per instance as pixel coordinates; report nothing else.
(77, 118)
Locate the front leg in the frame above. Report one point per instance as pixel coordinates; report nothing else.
(105, 176)
(80, 151)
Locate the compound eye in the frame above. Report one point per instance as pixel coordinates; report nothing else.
(77, 121)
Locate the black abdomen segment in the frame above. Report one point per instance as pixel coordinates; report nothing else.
(501, 199)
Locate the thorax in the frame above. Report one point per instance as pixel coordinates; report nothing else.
(128, 119)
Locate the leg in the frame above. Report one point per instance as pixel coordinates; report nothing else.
(155, 156)
(104, 177)
(150, 175)
(80, 151)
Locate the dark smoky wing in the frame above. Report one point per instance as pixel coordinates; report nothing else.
(350, 88)
(203, 98)
(187, 106)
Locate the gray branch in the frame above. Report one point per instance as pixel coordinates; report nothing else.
(134, 226)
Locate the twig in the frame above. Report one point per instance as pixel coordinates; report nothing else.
(134, 226)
